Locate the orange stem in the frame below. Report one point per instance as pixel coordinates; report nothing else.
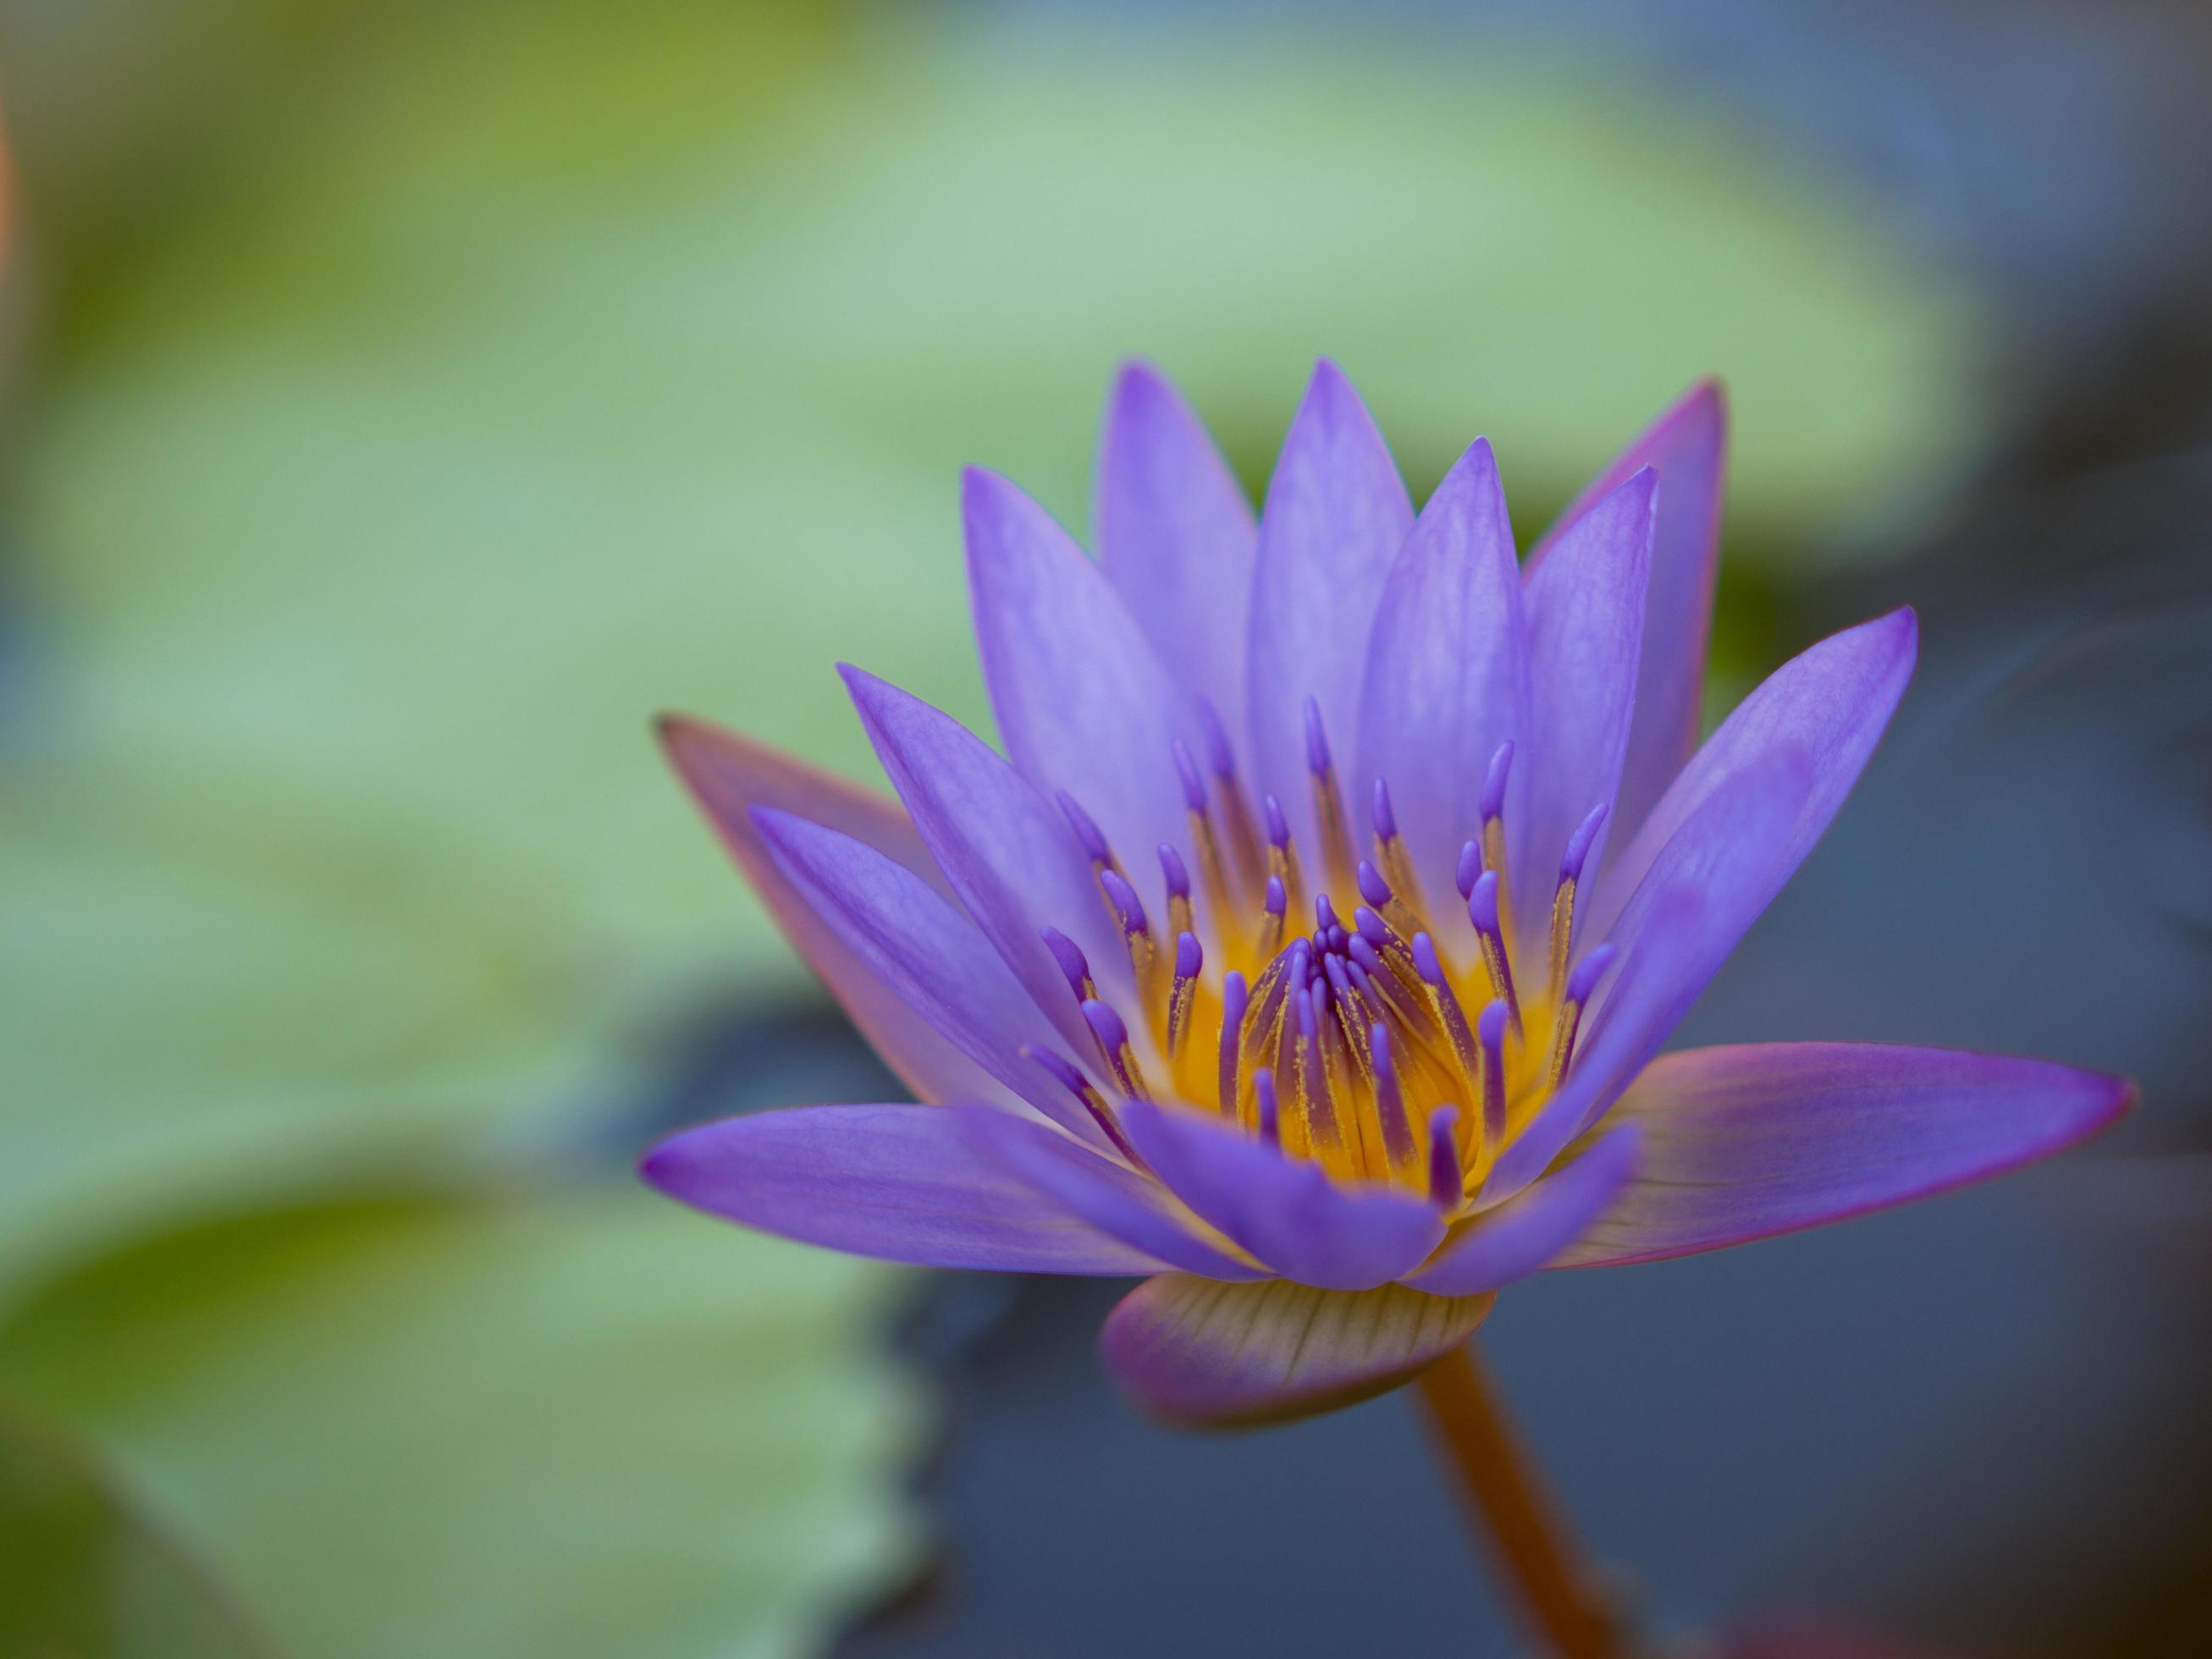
(1557, 1589)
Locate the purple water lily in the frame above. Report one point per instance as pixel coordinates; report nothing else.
(1309, 951)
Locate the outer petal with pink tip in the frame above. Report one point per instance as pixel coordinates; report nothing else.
(729, 776)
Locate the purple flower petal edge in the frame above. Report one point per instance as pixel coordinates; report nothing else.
(1744, 1142)
(901, 1183)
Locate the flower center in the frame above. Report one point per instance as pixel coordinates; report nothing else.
(1353, 1046)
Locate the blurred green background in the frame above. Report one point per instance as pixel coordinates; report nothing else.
(405, 401)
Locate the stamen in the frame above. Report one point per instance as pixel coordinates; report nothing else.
(1447, 1184)
(1446, 1005)
(1272, 918)
(1236, 814)
(1113, 1043)
(1563, 896)
(1189, 957)
(1136, 933)
(1271, 1113)
(1470, 867)
(1482, 907)
(1390, 1102)
(1072, 963)
(1397, 862)
(1313, 1077)
(1337, 856)
(1178, 878)
(1580, 983)
(1070, 1078)
(1087, 832)
(1235, 1002)
(1490, 1026)
(1380, 894)
(1282, 857)
(1493, 830)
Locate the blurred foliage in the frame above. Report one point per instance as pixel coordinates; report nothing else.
(575, 1424)
(420, 397)
(82, 1574)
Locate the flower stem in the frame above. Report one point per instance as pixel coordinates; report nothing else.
(1557, 1589)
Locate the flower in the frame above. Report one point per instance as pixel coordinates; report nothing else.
(1330, 1050)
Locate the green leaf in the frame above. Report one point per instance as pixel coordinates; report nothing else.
(572, 1426)
(84, 1575)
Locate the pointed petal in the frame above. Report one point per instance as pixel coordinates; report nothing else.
(1743, 1143)
(729, 776)
(1585, 631)
(1176, 536)
(1832, 702)
(1083, 702)
(1335, 515)
(898, 1182)
(1688, 446)
(1230, 1355)
(1447, 674)
(1708, 885)
(1006, 852)
(1526, 1232)
(1106, 1193)
(929, 955)
(1283, 1210)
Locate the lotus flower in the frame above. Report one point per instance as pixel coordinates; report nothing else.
(1309, 950)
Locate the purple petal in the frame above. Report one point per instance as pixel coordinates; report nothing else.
(729, 776)
(1832, 702)
(1204, 1354)
(1112, 1198)
(898, 1182)
(1688, 446)
(1285, 1211)
(1526, 1232)
(1585, 630)
(1007, 851)
(1447, 674)
(1175, 536)
(924, 951)
(1335, 515)
(1746, 1142)
(1083, 702)
(1707, 887)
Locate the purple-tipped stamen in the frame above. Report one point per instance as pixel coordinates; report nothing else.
(1372, 887)
(1073, 965)
(1087, 830)
(1235, 1003)
(1568, 1022)
(1591, 969)
(1189, 957)
(1271, 1111)
(1490, 1030)
(1579, 843)
(1194, 786)
(1127, 905)
(1278, 902)
(1386, 815)
(1482, 911)
(1324, 914)
(1494, 781)
(1390, 1099)
(1113, 1043)
(1174, 873)
(1470, 867)
(1278, 827)
(1321, 1127)
(1447, 1181)
(1430, 966)
(1218, 754)
(1317, 760)
(1070, 1078)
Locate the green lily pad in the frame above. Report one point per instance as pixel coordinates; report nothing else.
(579, 1424)
(84, 1575)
